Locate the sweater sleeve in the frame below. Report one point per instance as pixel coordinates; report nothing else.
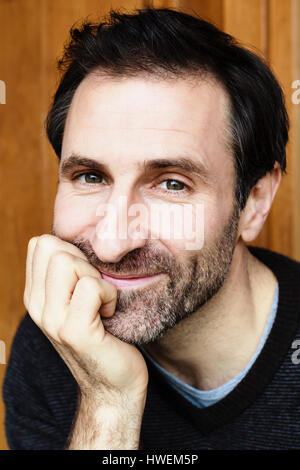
(39, 393)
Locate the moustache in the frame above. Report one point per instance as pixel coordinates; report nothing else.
(143, 261)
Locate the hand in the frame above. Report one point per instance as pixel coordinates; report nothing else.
(66, 297)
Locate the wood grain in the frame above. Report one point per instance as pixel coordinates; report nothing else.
(285, 211)
(32, 34)
(247, 22)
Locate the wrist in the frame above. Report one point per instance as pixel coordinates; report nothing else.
(108, 425)
(112, 401)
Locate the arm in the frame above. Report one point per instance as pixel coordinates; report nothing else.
(38, 391)
(66, 297)
(107, 427)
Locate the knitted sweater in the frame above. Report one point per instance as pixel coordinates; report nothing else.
(262, 412)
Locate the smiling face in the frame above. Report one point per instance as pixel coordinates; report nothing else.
(155, 144)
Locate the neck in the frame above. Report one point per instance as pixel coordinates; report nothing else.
(214, 344)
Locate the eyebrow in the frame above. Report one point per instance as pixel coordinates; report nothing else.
(76, 160)
(184, 163)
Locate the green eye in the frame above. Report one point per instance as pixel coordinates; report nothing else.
(174, 185)
(91, 178)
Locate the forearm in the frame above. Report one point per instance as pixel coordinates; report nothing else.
(107, 427)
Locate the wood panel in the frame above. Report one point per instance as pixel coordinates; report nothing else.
(209, 10)
(296, 111)
(247, 22)
(285, 211)
(20, 147)
(267, 27)
(32, 33)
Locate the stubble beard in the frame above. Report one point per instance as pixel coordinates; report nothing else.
(143, 315)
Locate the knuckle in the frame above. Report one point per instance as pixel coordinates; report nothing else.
(31, 307)
(26, 299)
(89, 282)
(32, 242)
(45, 242)
(45, 324)
(105, 285)
(60, 258)
(32, 310)
(64, 335)
(48, 329)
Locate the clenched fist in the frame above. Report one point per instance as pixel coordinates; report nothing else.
(66, 297)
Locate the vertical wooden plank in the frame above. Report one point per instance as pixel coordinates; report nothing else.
(57, 18)
(247, 22)
(162, 3)
(257, 23)
(20, 147)
(296, 111)
(32, 34)
(285, 212)
(209, 10)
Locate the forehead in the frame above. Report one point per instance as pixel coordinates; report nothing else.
(133, 119)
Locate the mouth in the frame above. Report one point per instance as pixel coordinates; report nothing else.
(130, 280)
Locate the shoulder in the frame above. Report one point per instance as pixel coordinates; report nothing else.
(39, 392)
(31, 350)
(275, 260)
(34, 360)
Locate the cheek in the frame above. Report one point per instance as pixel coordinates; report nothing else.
(72, 217)
(193, 224)
(216, 218)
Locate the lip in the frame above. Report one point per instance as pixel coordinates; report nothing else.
(128, 276)
(129, 280)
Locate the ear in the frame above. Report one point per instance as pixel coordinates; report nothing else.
(259, 204)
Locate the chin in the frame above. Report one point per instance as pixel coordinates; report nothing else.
(134, 327)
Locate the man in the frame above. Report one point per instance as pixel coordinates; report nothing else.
(143, 341)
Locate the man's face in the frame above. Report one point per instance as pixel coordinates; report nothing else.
(113, 130)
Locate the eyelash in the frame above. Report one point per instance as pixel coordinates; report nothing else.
(176, 193)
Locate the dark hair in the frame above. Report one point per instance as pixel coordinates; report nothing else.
(165, 43)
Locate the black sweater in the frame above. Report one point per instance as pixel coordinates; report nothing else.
(262, 412)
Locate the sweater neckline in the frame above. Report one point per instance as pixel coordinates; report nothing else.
(226, 387)
(266, 364)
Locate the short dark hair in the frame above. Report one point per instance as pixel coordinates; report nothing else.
(166, 43)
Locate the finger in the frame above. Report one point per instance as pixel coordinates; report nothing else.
(45, 247)
(28, 281)
(91, 296)
(64, 271)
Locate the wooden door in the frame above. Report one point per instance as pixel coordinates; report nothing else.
(32, 33)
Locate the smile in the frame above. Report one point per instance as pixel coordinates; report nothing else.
(130, 281)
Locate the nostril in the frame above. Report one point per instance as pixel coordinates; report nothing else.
(113, 249)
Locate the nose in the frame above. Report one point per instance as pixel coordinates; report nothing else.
(119, 229)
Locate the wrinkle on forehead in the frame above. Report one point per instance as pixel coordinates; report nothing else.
(132, 96)
(197, 113)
